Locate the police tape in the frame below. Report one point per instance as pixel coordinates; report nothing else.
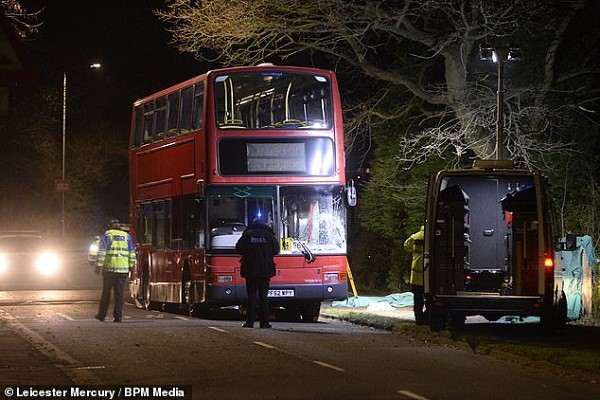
(163, 392)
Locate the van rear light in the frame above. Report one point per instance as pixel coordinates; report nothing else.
(548, 263)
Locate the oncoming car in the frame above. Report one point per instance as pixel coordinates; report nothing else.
(26, 254)
(93, 251)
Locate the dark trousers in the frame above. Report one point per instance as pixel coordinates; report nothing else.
(257, 287)
(419, 304)
(115, 282)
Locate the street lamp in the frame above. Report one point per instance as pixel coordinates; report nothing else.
(64, 184)
(499, 55)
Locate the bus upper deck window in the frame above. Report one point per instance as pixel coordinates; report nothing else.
(172, 114)
(197, 107)
(273, 100)
(139, 125)
(148, 124)
(160, 118)
(187, 98)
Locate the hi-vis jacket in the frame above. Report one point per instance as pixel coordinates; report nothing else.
(116, 252)
(414, 244)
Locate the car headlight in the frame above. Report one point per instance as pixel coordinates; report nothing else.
(3, 263)
(47, 263)
(93, 251)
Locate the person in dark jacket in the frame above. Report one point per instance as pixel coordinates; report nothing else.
(257, 246)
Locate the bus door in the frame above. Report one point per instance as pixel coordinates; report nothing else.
(163, 237)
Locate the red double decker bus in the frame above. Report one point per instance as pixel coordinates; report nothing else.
(209, 155)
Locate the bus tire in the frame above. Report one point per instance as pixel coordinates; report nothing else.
(193, 307)
(188, 293)
(137, 302)
(310, 312)
(146, 291)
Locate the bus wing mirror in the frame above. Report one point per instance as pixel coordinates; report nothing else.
(351, 193)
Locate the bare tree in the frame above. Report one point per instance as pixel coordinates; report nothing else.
(398, 44)
(25, 23)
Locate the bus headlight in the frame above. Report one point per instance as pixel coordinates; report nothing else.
(331, 276)
(224, 278)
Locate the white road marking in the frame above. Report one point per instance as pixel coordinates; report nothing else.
(157, 316)
(65, 316)
(412, 395)
(64, 360)
(182, 318)
(268, 346)
(333, 367)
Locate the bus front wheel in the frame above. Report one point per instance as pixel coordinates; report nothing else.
(310, 312)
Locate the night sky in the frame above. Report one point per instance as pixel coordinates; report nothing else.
(124, 36)
(137, 59)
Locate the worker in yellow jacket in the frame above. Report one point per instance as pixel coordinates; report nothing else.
(116, 256)
(414, 244)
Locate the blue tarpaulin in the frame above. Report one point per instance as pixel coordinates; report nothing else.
(399, 300)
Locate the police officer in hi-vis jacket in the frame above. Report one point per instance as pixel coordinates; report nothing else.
(414, 244)
(116, 255)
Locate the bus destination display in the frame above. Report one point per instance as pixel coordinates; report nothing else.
(272, 157)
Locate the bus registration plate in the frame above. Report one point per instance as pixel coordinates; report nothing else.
(281, 293)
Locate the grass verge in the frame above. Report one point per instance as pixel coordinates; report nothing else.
(573, 349)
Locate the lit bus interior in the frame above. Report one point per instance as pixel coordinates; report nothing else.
(487, 235)
(306, 219)
(273, 100)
